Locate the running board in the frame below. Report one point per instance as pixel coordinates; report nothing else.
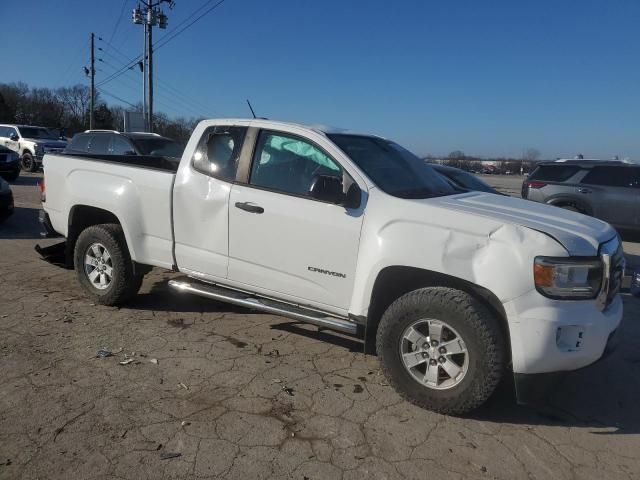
(270, 306)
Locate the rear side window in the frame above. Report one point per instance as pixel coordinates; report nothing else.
(218, 152)
(79, 143)
(99, 144)
(613, 176)
(554, 173)
(121, 146)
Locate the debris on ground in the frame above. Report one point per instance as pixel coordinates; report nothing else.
(287, 390)
(154, 361)
(104, 353)
(168, 455)
(183, 386)
(126, 361)
(276, 380)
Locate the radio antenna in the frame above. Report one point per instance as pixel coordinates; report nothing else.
(251, 108)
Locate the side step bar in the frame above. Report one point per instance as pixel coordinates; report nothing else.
(270, 306)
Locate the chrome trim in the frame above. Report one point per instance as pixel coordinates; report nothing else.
(270, 306)
(601, 299)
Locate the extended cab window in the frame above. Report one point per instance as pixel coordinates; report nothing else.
(288, 164)
(612, 176)
(218, 152)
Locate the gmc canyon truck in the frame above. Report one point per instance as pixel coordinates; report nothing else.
(352, 233)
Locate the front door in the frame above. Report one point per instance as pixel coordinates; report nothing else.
(613, 194)
(284, 242)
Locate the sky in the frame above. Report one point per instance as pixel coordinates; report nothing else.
(490, 78)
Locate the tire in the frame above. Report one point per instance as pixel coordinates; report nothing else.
(119, 284)
(28, 163)
(457, 314)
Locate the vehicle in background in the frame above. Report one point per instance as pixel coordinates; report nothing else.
(605, 189)
(30, 143)
(463, 179)
(6, 200)
(356, 234)
(111, 142)
(9, 164)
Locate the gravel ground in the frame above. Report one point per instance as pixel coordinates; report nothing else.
(219, 392)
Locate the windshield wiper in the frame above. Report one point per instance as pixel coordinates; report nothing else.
(422, 193)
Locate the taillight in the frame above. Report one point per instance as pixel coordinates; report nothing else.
(535, 184)
(43, 195)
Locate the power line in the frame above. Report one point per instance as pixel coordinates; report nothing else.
(115, 28)
(166, 39)
(103, 91)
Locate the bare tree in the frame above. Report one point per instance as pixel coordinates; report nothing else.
(531, 154)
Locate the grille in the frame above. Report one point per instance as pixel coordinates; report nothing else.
(613, 248)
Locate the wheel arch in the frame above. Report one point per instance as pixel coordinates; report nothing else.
(82, 217)
(394, 281)
(578, 203)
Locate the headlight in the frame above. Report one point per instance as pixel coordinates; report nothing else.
(568, 278)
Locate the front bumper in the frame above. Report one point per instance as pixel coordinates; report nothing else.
(559, 335)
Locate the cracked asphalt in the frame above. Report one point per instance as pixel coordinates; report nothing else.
(214, 391)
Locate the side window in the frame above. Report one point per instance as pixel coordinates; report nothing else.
(79, 143)
(554, 173)
(610, 177)
(288, 164)
(99, 144)
(121, 146)
(4, 132)
(218, 152)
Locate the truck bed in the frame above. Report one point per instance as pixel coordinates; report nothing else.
(136, 189)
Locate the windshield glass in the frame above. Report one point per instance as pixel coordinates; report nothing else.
(35, 132)
(469, 180)
(162, 147)
(394, 169)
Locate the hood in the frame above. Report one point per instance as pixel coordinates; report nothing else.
(579, 234)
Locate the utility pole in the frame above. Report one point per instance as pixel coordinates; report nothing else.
(149, 16)
(93, 85)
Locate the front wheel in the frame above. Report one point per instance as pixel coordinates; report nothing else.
(28, 162)
(441, 349)
(103, 265)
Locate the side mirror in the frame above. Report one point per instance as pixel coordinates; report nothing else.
(327, 188)
(14, 137)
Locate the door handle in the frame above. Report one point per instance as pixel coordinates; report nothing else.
(249, 207)
(584, 190)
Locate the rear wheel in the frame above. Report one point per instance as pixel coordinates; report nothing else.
(28, 163)
(441, 349)
(103, 265)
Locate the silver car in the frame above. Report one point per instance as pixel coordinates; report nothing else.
(608, 190)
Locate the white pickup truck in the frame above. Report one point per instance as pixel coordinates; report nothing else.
(353, 233)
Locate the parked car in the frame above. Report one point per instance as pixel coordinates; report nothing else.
(9, 164)
(356, 234)
(608, 190)
(30, 143)
(462, 179)
(6, 200)
(111, 142)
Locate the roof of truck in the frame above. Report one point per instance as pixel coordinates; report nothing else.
(265, 122)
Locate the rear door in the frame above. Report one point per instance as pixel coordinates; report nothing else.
(613, 193)
(201, 203)
(284, 242)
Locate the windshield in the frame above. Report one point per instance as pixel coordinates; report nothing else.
(162, 147)
(468, 180)
(35, 132)
(394, 169)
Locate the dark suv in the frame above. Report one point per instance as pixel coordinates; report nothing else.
(111, 142)
(608, 190)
